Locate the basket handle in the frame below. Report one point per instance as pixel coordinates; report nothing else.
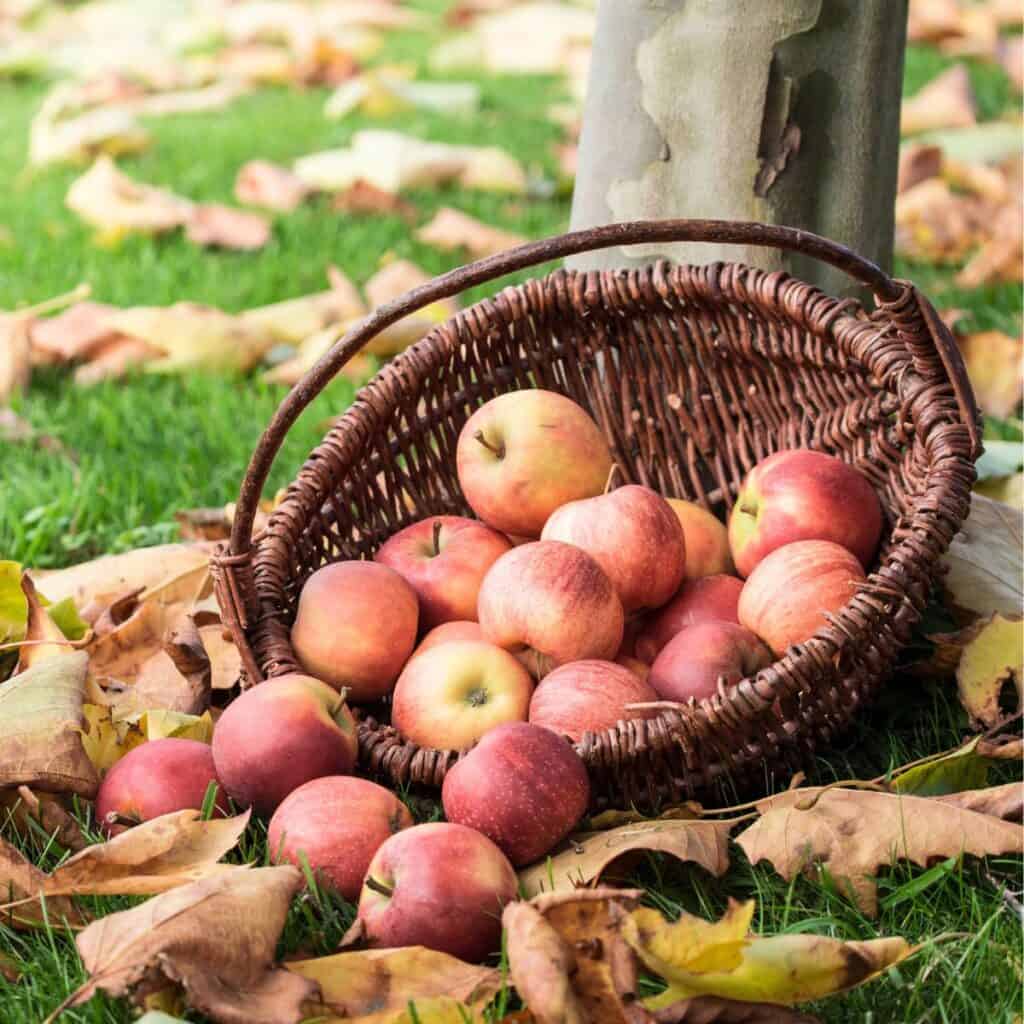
(558, 247)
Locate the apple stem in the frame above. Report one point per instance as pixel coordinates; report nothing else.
(371, 883)
(499, 452)
(437, 537)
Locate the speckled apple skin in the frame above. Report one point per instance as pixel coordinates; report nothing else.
(450, 886)
(280, 734)
(522, 786)
(553, 598)
(785, 599)
(708, 599)
(157, 778)
(337, 823)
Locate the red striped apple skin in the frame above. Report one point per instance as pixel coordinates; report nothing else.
(786, 598)
(588, 696)
(525, 453)
(801, 494)
(634, 535)
(555, 599)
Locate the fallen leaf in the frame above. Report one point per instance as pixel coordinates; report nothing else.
(215, 96)
(113, 359)
(964, 768)
(215, 225)
(585, 858)
(74, 334)
(269, 185)
(375, 985)
(947, 101)
(992, 654)
(698, 957)
(984, 562)
(15, 354)
(383, 92)
(453, 229)
(104, 131)
(1006, 802)
(19, 879)
(852, 833)
(1002, 748)
(567, 959)
(216, 937)
(43, 637)
(27, 811)
(40, 723)
(392, 281)
(361, 198)
(113, 203)
(1011, 56)
(1000, 256)
(190, 336)
(919, 161)
(10, 970)
(991, 142)
(105, 741)
(934, 224)
(360, 366)
(225, 660)
(712, 1010)
(1007, 489)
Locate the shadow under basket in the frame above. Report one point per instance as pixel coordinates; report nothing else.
(694, 374)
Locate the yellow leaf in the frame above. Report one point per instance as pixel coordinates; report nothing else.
(993, 653)
(43, 636)
(159, 724)
(995, 365)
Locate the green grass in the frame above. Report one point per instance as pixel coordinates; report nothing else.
(136, 451)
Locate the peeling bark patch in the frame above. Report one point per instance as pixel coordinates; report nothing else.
(774, 163)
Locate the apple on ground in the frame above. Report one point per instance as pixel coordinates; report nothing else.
(335, 825)
(525, 453)
(355, 627)
(553, 599)
(157, 778)
(707, 540)
(450, 632)
(634, 535)
(786, 598)
(280, 734)
(589, 696)
(444, 559)
(522, 786)
(801, 494)
(440, 885)
(690, 666)
(450, 695)
(707, 599)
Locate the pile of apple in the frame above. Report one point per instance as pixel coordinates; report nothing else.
(563, 609)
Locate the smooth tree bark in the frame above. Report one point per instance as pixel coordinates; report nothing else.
(781, 111)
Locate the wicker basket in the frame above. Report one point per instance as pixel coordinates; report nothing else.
(694, 374)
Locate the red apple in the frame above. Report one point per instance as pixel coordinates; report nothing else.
(803, 495)
(335, 825)
(708, 599)
(440, 885)
(522, 786)
(634, 535)
(525, 453)
(157, 778)
(589, 696)
(707, 540)
(554, 599)
(280, 734)
(450, 632)
(356, 627)
(452, 694)
(444, 559)
(786, 598)
(693, 661)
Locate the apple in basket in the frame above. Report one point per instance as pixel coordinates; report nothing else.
(788, 595)
(444, 559)
(523, 454)
(801, 494)
(707, 540)
(554, 600)
(355, 627)
(439, 885)
(634, 535)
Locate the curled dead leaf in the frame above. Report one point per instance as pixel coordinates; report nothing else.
(1005, 802)
(216, 937)
(452, 229)
(919, 161)
(585, 858)
(74, 334)
(113, 359)
(19, 880)
(712, 1010)
(855, 832)
(947, 101)
(361, 198)
(992, 654)
(27, 811)
(268, 185)
(15, 354)
(213, 224)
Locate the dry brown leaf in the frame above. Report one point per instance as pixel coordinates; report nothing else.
(1010, 52)
(15, 354)
(114, 358)
(109, 131)
(361, 197)
(74, 334)
(453, 229)
(43, 636)
(26, 810)
(991, 654)
(1002, 254)
(947, 101)
(214, 96)
(1001, 748)
(19, 879)
(567, 959)
(853, 833)
(919, 161)
(1006, 802)
(712, 1010)
(373, 986)
(216, 937)
(585, 858)
(40, 728)
(270, 186)
(113, 203)
(225, 661)
(212, 224)
(934, 224)
(984, 562)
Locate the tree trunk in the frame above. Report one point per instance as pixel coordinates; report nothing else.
(782, 111)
